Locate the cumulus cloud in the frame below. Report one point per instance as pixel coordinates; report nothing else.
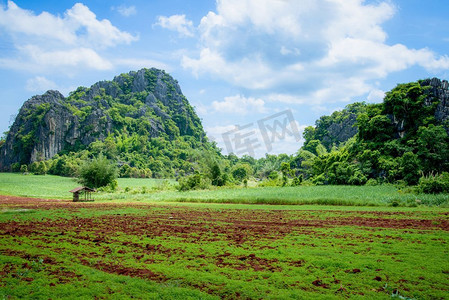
(177, 23)
(139, 63)
(239, 104)
(315, 51)
(84, 57)
(40, 84)
(126, 11)
(47, 41)
(78, 26)
(376, 95)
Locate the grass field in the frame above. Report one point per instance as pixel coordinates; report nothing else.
(146, 243)
(157, 190)
(122, 250)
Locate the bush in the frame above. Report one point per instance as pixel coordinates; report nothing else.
(38, 168)
(434, 184)
(193, 182)
(23, 169)
(217, 177)
(297, 180)
(271, 183)
(241, 171)
(273, 175)
(371, 182)
(97, 172)
(319, 180)
(357, 178)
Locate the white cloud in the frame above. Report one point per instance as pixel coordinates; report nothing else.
(137, 63)
(126, 11)
(47, 42)
(239, 104)
(79, 26)
(376, 96)
(315, 51)
(177, 23)
(98, 33)
(40, 84)
(250, 72)
(77, 57)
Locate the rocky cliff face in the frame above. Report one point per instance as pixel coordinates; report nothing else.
(439, 89)
(341, 131)
(148, 101)
(341, 125)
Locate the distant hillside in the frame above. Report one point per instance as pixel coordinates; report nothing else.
(142, 119)
(334, 129)
(342, 125)
(400, 139)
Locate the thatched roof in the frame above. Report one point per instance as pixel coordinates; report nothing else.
(82, 188)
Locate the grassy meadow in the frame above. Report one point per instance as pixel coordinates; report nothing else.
(161, 190)
(149, 241)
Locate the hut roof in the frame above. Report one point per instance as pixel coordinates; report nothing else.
(82, 188)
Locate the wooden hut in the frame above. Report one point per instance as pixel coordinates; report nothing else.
(83, 191)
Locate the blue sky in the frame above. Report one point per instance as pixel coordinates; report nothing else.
(237, 61)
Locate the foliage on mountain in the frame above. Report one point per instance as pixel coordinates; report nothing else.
(330, 131)
(140, 120)
(402, 139)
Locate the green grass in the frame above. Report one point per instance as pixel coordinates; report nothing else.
(158, 190)
(385, 195)
(57, 187)
(207, 251)
(221, 244)
(37, 186)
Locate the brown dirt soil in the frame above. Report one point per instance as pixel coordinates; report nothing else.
(198, 225)
(238, 225)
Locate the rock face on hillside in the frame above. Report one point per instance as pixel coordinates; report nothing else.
(341, 131)
(341, 126)
(148, 102)
(439, 89)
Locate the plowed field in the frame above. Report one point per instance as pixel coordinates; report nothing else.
(57, 249)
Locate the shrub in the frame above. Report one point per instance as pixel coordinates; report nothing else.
(319, 180)
(24, 169)
(434, 184)
(371, 182)
(297, 180)
(357, 178)
(193, 182)
(97, 172)
(270, 183)
(273, 175)
(241, 171)
(217, 177)
(38, 168)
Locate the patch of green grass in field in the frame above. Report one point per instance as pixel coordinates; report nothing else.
(37, 186)
(384, 195)
(57, 187)
(33, 279)
(205, 250)
(157, 190)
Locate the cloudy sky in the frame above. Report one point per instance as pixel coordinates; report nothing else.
(237, 61)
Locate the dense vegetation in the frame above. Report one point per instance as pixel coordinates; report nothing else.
(397, 141)
(140, 120)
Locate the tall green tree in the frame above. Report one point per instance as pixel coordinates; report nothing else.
(97, 172)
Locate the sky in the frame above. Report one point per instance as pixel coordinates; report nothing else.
(257, 71)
